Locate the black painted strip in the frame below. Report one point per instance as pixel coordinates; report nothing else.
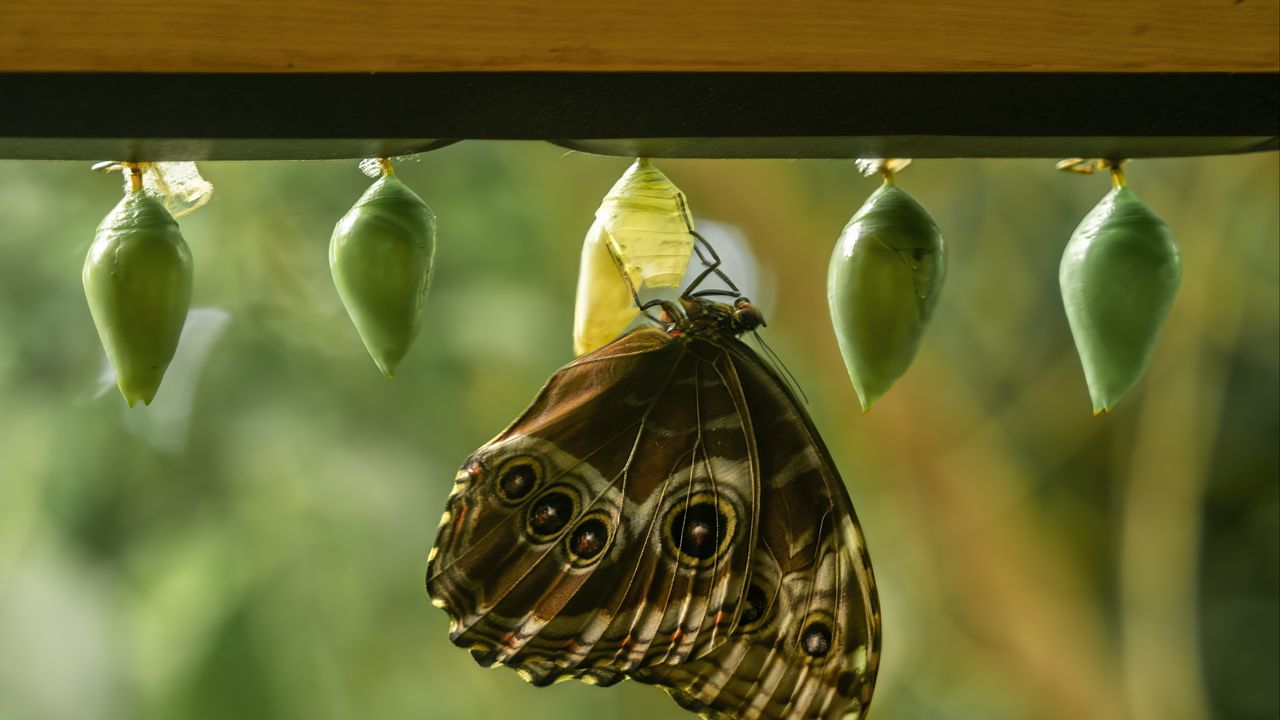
(586, 106)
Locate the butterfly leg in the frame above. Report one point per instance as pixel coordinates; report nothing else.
(711, 265)
(667, 307)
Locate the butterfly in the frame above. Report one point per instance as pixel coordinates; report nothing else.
(666, 511)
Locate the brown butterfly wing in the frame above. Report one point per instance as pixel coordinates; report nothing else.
(598, 534)
(808, 646)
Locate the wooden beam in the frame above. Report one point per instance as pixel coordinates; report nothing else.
(246, 79)
(342, 36)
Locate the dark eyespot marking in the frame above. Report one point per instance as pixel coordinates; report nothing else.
(698, 530)
(844, 684)
(517, 478)
(757, 603)
(549, 514)
(816, 640)
(589, 539)
(517, 481)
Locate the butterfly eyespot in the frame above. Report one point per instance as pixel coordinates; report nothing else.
(844, 684)
(815, 640)
(589, 539)
(518, 478)
(699, 530)
(550, 513)
(757, 604)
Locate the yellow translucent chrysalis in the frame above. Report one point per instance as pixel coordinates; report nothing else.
(641, 239)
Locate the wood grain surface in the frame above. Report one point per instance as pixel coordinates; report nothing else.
(659, 35)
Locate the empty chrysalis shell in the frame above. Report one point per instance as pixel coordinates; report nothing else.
(137, 280)
(381, 257)
(1118, 277)
(641, 236)
(882, 285)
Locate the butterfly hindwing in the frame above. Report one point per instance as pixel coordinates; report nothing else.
(598, 534)
(809, 644)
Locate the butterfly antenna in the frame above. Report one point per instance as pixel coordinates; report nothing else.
(786, 373)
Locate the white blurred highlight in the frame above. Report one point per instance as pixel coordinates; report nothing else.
(164, 423)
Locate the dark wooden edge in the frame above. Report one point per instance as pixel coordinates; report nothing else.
(160, 116)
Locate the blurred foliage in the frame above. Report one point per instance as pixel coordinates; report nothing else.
(253, 544)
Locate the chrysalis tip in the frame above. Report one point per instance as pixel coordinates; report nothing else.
(866, 400)
(135, 395)
(388, 370)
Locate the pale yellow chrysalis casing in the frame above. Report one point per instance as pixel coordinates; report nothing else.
(643, 233)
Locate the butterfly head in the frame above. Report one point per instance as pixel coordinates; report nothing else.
(746, 317)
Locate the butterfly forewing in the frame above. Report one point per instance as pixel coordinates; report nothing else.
(610, 527)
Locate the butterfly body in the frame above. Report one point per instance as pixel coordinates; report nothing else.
(665, 511)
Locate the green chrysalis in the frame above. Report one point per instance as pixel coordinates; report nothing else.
(1118, 277)
(381, 257)
(137, 280)
(882, 285)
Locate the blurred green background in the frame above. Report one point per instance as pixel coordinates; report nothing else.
(254, 544)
